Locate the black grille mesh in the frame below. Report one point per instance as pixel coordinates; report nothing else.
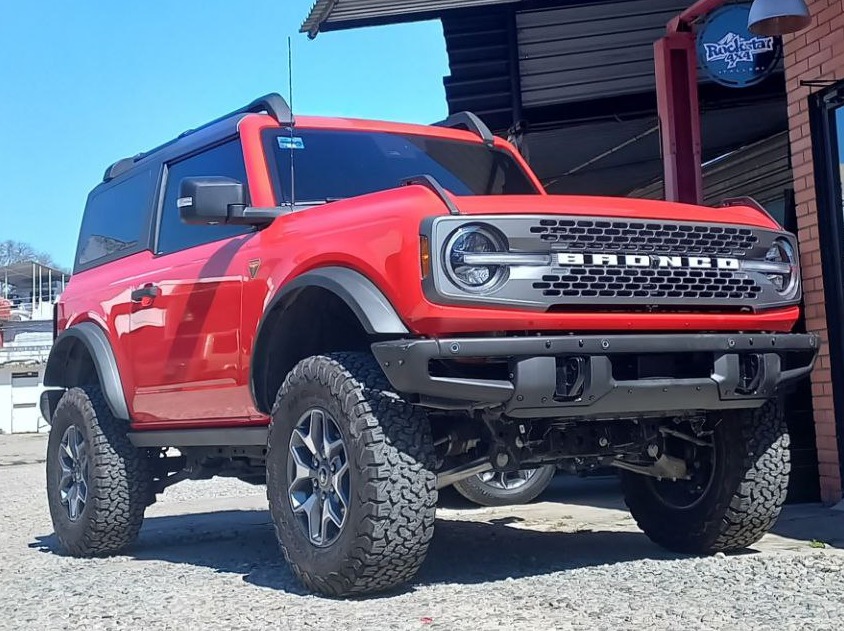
(644, 237)
(636, 282)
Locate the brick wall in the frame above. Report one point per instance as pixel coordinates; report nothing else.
(815, 53)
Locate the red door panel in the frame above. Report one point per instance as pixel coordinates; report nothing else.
(185, 342)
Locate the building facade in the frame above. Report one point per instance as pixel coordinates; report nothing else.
(814, 69)
(581, 75)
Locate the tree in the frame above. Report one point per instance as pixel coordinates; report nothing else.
(13, 252)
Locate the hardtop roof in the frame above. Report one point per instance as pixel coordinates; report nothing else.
(464, 127)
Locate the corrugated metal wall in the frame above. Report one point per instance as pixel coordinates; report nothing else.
(760, 170)
(479, 61)
(560, 49)
(615, 157)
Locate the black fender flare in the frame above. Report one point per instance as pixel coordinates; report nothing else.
(96, 342)
(362, 296)
(364, 299)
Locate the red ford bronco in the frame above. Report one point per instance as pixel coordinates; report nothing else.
(358, 313)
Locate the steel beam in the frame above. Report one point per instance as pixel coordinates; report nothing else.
(677, 100)
(679, 116)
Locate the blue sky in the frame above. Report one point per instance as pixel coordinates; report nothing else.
(85, 83)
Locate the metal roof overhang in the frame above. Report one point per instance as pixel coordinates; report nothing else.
(21, 274)
(584, 82)
(328, 15)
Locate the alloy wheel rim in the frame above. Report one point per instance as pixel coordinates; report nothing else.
(73, 465)
(319, 484)
(507, 480)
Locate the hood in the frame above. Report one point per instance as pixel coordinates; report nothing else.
(611, 207)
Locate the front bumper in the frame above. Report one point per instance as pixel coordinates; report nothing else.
(532, 387)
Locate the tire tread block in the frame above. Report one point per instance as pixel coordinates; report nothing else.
(742, 505)
(397, 502)
(120, 484)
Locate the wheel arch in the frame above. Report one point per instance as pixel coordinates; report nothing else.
(80, 354)
(330, 309)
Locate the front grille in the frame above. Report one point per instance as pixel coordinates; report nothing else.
(621, 264)
(598, 236)
(649, 284)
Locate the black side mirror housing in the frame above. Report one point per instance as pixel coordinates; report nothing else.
(210, 200)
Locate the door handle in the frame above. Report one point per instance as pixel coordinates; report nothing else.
(145, 295)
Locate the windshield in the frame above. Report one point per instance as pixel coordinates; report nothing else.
(332, 164)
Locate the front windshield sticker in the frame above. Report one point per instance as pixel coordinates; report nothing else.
(290, 142)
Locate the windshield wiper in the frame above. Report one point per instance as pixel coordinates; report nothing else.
(315, 202)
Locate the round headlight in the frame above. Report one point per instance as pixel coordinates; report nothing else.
(781, 251)
(468, 240)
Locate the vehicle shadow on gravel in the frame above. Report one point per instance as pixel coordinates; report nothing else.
(243, 542)
(478, 552)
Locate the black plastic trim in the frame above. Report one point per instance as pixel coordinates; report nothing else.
(430, 182)
(372, 309)
(120, 167)
(747, 200)
(530, 389)
(366, 301)
(215, 437)
(48, 401)
(828, 183)
(469, 122)
(273, 104)
(96, 342)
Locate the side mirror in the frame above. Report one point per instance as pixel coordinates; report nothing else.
(210, 200)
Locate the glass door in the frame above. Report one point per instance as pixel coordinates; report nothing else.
(827, 123)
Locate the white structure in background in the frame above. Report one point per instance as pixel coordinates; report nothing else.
(30, 289)
(22, 365)
(27, 294)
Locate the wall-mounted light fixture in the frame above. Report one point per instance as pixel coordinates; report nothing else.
(778, 17)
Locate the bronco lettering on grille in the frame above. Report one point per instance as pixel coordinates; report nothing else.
(647, 260)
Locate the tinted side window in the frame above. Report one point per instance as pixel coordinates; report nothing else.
(115, 220)
(173, 235)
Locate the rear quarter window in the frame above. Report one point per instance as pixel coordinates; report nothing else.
(116, 220)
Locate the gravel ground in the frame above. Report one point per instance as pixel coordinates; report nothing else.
(207, 558)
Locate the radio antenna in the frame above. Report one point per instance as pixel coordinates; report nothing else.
(290, 99)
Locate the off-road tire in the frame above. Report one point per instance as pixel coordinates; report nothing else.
(120, 484)
(481, 493)
(390, 519)
(744, 499)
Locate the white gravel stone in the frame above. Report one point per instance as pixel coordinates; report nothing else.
(207, 558)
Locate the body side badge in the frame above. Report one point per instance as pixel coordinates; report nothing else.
(254, 266)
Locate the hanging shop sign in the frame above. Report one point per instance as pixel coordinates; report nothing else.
(730, 54)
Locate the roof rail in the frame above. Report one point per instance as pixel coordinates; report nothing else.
(273, 104)
(120, 167)
(469, 122)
